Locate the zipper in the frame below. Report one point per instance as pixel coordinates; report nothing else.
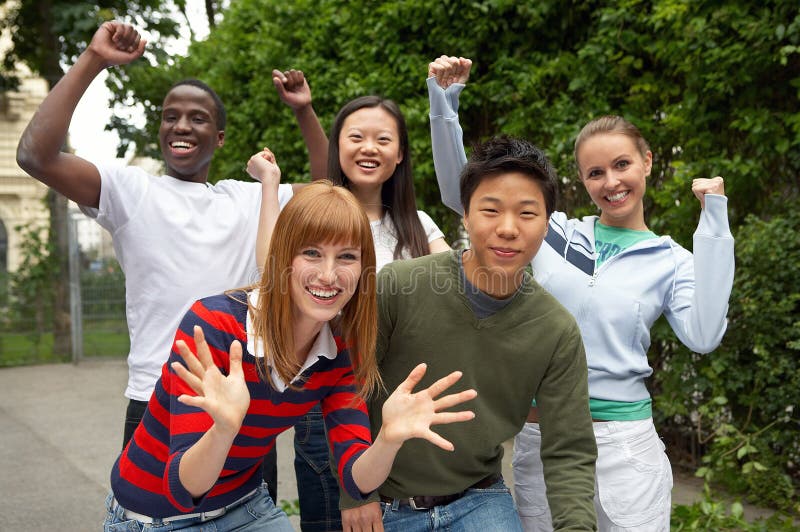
(636, 247)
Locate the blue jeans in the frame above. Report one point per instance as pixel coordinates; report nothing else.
(256, 513)
(317, 487)
(487, 510)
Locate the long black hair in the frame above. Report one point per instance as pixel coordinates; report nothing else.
(397, 193)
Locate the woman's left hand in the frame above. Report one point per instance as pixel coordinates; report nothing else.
(225, 398)
(701, 187)
(409, 415)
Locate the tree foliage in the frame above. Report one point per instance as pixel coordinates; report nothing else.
(48, 33)
(44, 35)
(713, 85)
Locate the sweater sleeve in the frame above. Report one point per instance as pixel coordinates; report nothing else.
(698, 304)
(387, 285)
(447, 140)
(568, 447)
(347, 428)
(186, 423)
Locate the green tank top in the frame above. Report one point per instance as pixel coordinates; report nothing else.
(610, 241)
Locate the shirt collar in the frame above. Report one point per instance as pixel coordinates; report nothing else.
(324, 346)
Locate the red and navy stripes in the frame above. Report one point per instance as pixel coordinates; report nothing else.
(145, 477)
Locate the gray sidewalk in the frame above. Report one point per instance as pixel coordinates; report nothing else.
(61, 430)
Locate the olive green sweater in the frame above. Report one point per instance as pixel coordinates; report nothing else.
(532, 347)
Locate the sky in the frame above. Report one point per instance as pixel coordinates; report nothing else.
(87, 129)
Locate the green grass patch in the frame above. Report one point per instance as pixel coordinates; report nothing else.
(108, 338)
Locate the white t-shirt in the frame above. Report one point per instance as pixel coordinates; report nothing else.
(176, 242)
(385, 237)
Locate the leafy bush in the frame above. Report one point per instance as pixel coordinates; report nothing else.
(718, 516)
(740, 402)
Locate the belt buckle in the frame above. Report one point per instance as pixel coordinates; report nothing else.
(413, 504)
(213, 514)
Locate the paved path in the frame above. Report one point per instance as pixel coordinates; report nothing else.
(60, 432)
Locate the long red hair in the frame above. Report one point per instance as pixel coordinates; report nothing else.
(319, 213)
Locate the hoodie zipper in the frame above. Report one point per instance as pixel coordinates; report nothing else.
(647, 244)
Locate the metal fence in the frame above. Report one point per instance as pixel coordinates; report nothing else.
(97, 313)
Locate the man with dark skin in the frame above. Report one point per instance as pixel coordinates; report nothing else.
(177, 237)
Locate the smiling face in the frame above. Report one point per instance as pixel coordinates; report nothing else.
(323, 279)
(506, 222)
(369, 147)
(188, 134)
(614, 172)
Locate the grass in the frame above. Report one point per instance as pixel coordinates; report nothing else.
(100, 339)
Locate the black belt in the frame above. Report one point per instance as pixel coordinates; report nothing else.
(426, 502)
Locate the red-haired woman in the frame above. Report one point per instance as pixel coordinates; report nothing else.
(309, 329)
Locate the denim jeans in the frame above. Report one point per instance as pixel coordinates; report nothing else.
(269, 472)
(317, 486)
(256, 513)
(486, 510)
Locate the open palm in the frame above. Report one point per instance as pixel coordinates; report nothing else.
(409, 415)
(225, 398)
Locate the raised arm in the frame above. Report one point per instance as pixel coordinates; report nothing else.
(446, 79)
(698, 307)
(39, 150)
(294, 91)
(262, 167)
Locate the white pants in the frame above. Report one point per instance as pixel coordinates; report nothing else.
(633, 482)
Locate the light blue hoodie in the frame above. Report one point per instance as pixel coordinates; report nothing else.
(616, 305)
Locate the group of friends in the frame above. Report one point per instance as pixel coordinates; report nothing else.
(337, 308)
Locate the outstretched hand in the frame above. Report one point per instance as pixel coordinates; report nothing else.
(263, 168)
(409, 415)
(449, 69)
(292, 88)
(225, 398)
(117, 43)
(701, 187)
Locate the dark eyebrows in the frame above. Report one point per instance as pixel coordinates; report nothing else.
(360, 130)
(495, 201)
(533, 202)
(192, 111)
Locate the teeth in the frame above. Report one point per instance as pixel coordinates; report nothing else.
(617, 197)
(368, 164)
(325, 294)
(181, 144)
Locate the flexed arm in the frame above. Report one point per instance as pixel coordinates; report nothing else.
(698, 307)
(262, 167)
(39, 150)
(446, 79)
(294, 91)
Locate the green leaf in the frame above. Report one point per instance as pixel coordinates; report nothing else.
(737, 510)
(742, 452)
